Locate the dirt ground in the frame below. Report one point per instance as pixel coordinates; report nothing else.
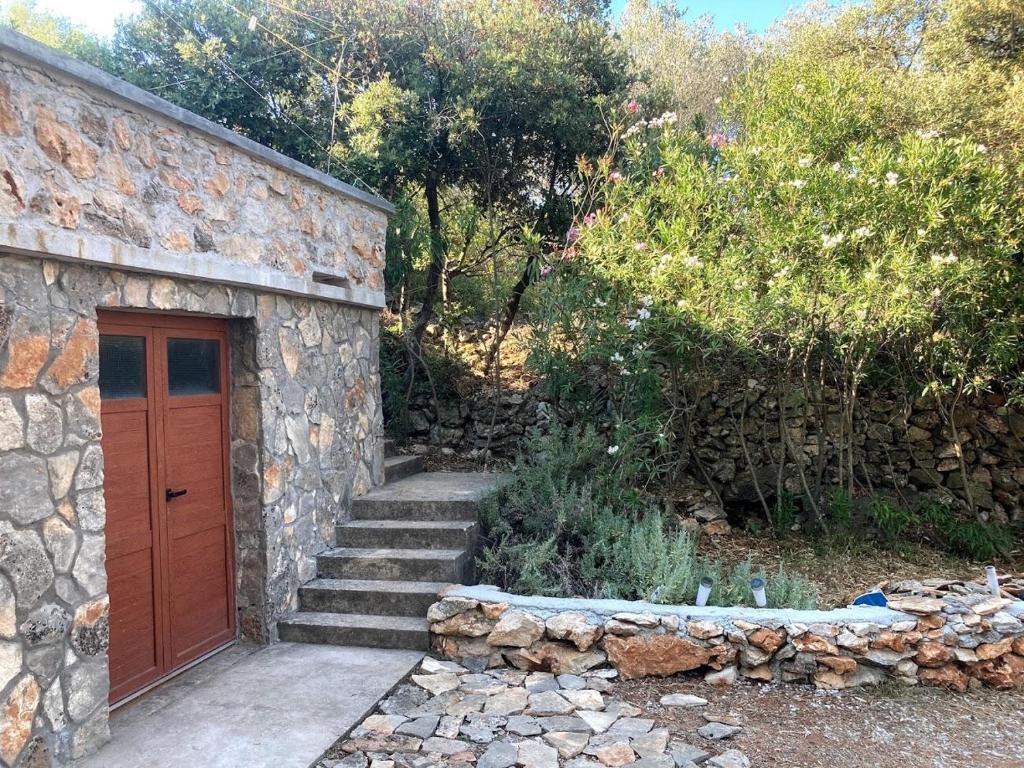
(885, 727)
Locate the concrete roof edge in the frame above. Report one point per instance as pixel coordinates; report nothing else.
(33, 51)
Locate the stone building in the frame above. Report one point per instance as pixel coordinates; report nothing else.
(189, 391)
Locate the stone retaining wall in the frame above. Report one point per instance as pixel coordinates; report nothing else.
(957, 642)
(901, 449)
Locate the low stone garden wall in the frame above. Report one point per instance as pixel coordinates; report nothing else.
(956, 642)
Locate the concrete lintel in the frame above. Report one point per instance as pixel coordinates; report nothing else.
(66, 246)
(20, 46)
(551, 605)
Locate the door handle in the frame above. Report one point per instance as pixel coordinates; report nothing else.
(175, 494)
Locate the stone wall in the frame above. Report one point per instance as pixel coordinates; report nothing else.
(955, 642)
(900, 448)
(104, 172)
(305, 426)
(112, 198)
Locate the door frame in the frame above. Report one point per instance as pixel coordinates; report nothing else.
(118, 322)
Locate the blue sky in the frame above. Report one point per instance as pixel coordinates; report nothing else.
(99, 15)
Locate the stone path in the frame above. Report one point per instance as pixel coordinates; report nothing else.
(447, 715)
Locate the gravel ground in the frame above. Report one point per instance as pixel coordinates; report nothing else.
(884, 727)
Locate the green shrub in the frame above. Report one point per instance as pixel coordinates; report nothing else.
(892, 519)
(569, 523)
(968, 538)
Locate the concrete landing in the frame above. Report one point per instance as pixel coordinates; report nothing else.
(279, 706)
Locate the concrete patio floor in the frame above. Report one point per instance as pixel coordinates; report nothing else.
(278, 706)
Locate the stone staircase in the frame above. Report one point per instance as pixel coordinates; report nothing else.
(406, 541)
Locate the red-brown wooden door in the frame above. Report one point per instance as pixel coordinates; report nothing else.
(164, 394)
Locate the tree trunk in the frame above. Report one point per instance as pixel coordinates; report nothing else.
(511, 310)
(434, 272)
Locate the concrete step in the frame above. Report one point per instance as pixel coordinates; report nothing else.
(397, 467)
(390, 448)
(356, 629)
(427, 496)
(452, 565)
(388, 598)
(426, 534)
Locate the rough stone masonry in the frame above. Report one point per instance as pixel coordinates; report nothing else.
(111, 198)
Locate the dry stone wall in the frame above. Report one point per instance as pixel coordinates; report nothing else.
(954, 642)
(904, 449)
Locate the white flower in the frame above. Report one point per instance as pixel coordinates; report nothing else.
(616, 358)
(647, 300)
(862, 232)
(797, 183)
(831, 241)
(837, 167)
(612, 450)
(599, 302)
(928, 134)
(632, 324)
(982, 149)
(861, 314)
(938, 258)
(664, 260)
(692, 262)
(892, 178)
(921, 232)
(643, 313)
(805, 162)
(800, 88)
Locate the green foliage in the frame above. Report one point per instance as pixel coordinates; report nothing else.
(784, 513)
(891, 518)
(567, 523)
(968, 538)
(840, 509)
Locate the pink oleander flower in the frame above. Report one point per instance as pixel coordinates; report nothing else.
(615, 177)
(632, 107)
(659, 171)
(590, 219)
(546, 270)
(717, 140)
(569, 253)
(573, 234)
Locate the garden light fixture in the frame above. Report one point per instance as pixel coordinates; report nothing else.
(757, 587)
(992, 579)
(704, 590)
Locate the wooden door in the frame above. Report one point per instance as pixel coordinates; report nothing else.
(170, 569)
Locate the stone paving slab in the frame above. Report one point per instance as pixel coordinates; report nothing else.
(274, 707)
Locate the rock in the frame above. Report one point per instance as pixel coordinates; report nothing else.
(810, 643)
(380, 724)
(725, 676)
(430, 665)
(762, 672)
(571, 682)
(444, 746)
(477, 732)
(569, 744)
(732, 758)
(548, 703)
(481, 683)
(704, 630)
(631, 727)
(655, 761)
(10, 662)
(616, 754)
(541, 681)
(437, 683)
(598, 722)
(523, 725)
(554, 657)
(718, 731)
(16, 717)
(405, 698)
(450, 606)
(990, 606)
(988, 651)
(516, 628)
(493, 610)
(1004, 672)
(421, 727)
(768, 640)
(448, 726)
(684, 753)
(534, 754)
(949, 676)
(499, 754)
(573, 723)
(841, 664)
(509, 702)
(584, 699)
(650, 744)
(648, 620)
(682, 700)
(24, 493)
(932, 654)
(847, 639)
(917, 605)
(574, 627)
(654, 656)
(23, 558)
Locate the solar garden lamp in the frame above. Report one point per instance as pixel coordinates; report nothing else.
(704, 590)
(992, 579)
(757, 587)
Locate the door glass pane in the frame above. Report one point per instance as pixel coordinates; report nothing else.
(193, 366)
(122, 367)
